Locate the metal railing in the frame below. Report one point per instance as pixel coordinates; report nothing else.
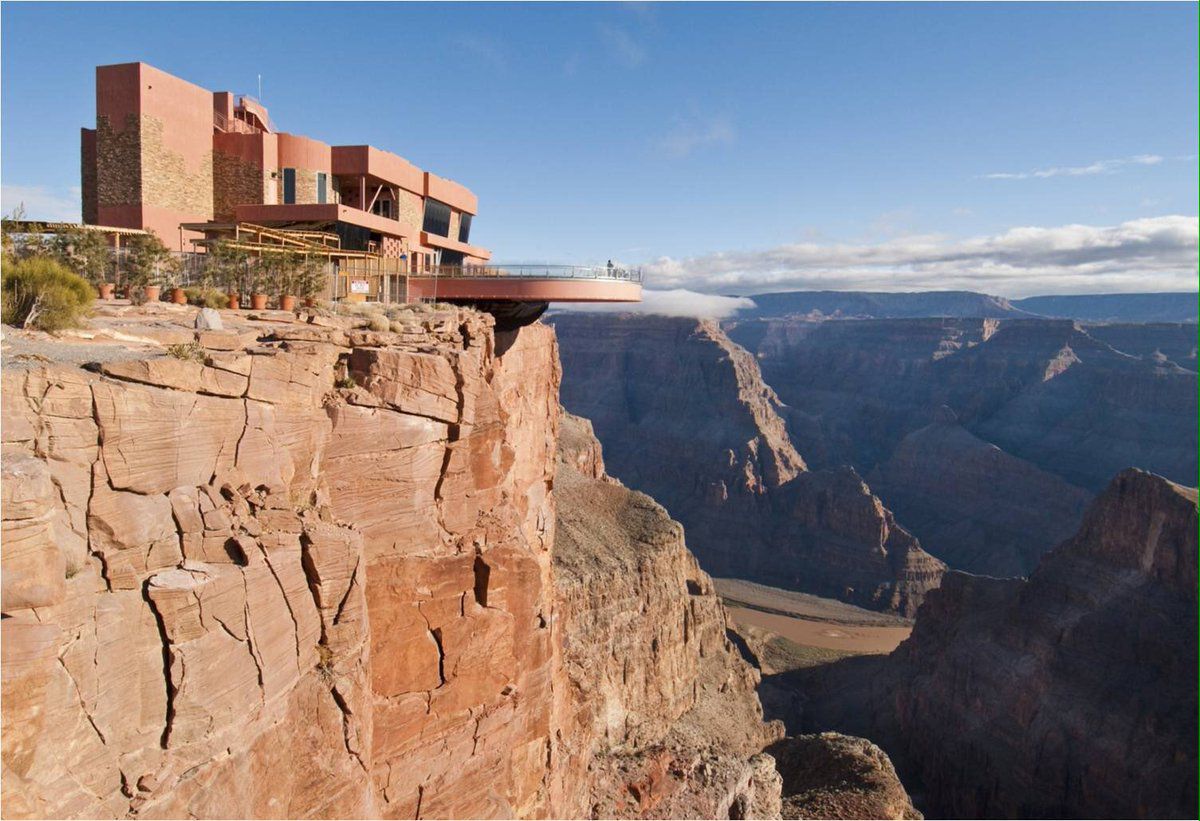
(596, 272)
(226, 125)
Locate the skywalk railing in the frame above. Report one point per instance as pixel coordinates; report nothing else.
(595, 272)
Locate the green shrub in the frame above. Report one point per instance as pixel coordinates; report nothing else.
(39, 292)
(207, 298)
(187, 351)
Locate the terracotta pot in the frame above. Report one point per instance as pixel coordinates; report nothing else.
(258, 302)
(107, 290)
(178, 296)
(287, 302)
(151, 293)
(310, 302)
(234, 302)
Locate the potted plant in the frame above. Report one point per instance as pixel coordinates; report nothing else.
(312, 280)
(170, 278)
(146, 262)
(87, 253)
(256, 280)
(287, 274)
(225, 266)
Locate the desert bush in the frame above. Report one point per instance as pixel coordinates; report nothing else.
(40, 292)
(379, 322)
(207, 298)
(397, 327)
(187, 351)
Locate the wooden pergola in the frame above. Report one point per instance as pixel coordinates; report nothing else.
(24, 226)
(262, 239)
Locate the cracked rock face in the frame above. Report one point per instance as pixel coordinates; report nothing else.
(657, 715)
(308, 576)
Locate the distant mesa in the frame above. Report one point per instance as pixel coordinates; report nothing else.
(1106, 308)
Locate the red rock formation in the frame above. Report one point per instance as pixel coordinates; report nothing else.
(685, 416)
(658, 717)
(248, 587)
(1068, 695)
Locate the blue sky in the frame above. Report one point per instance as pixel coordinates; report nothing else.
(698, 139)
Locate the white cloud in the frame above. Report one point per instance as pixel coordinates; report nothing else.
(1150, 254)
(1098, 167)
(41, 203)
(690, 135)
(621, 45)
(675, 302)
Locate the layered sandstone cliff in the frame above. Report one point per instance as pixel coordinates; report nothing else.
(1071, 694)
(658, 717)
(685, 416)
(308, 575)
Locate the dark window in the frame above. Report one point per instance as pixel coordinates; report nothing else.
(289, 185)
(383, 208)
(322, 183)
(451, 257)
(354, 237)
(464, 228)
(437, 218)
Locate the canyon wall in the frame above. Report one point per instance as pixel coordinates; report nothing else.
(976, 507)
(1068, 695)
(658, 716)
(685, 416)
(1046, 391)
(1047, 412)
(306, 576)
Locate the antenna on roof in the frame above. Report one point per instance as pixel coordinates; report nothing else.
(260, 88)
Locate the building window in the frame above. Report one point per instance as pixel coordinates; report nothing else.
(437, 218)
(289, 186)
(464, 228)
(322, 185)
(383, 208)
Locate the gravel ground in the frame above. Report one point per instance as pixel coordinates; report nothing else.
(24, 350)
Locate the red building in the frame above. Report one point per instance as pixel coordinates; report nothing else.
(166, 154)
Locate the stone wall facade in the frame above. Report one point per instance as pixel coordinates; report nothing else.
(236, 182)
(134, 167)
(410, 209)
(118, 162)
(306, 187)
